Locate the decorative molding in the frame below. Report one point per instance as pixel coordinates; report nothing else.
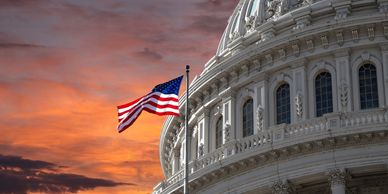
(385, 28)
(310, 45)
(281, 187)
(260, 118)
(272, 9)
(299, 105)
(340, 37)
(324, 41)
(336, 177)
(344, 94)
(200, 150)
(250, 23)
(371, 32)
(355, 34)
(282, 54)
(295, 48)
(269, 58)
(302, 22)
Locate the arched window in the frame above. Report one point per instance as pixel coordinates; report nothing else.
(367, 76)
(248, 118)
(219, 132)
(323, 94)
(283, 108)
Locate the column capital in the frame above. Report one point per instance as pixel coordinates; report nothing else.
(281, 187)
(336, 176)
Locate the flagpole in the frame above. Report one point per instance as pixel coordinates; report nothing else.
(186, 180)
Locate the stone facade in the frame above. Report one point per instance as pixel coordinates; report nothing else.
(337, 148)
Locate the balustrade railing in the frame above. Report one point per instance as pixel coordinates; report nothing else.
(279, 133)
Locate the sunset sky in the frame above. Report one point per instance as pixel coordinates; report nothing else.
(64, 67)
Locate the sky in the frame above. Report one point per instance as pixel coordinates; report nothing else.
(65, 65)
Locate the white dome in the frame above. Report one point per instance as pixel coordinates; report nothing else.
(250, 15)
(295, 100)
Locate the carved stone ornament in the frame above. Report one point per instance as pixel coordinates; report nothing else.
(340, 37)
(227, 131)
(371, 32)
(336, 177)
(272, 9)
(342, 12)
(355, 35)
(299, 105)
(250, 23)
(344, 94)
(234, 35)
(260, 118)
(280, 187)
(200, 150)
(177, 152)
(301, 3)
(383, 7)
(218, 111)
(302, 22)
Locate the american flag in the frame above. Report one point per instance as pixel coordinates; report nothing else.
(162, 100)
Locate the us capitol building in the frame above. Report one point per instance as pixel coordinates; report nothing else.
(295, 101)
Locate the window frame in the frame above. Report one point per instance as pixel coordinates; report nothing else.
(289, 120)
(251, 131)
(315, 93)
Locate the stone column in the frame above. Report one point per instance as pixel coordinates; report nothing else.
(337, 181)
(281, 187)
(175, 161)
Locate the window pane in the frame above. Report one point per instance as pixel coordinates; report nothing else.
(368, 86)
(283, 112)
(323, 94)
(248, 118)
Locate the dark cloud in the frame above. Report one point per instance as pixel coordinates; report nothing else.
(19, 175)
(19, 2)
(149, 54)
(24, 164)
(19, 45)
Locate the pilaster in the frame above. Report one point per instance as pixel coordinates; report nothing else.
(260, 106)
(344, 83)
(384, 54)
(299, 100)
(229, 115)
(203, 132)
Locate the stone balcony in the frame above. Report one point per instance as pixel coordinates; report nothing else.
(282, 141)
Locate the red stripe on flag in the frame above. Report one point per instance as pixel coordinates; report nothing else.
(147, 105)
